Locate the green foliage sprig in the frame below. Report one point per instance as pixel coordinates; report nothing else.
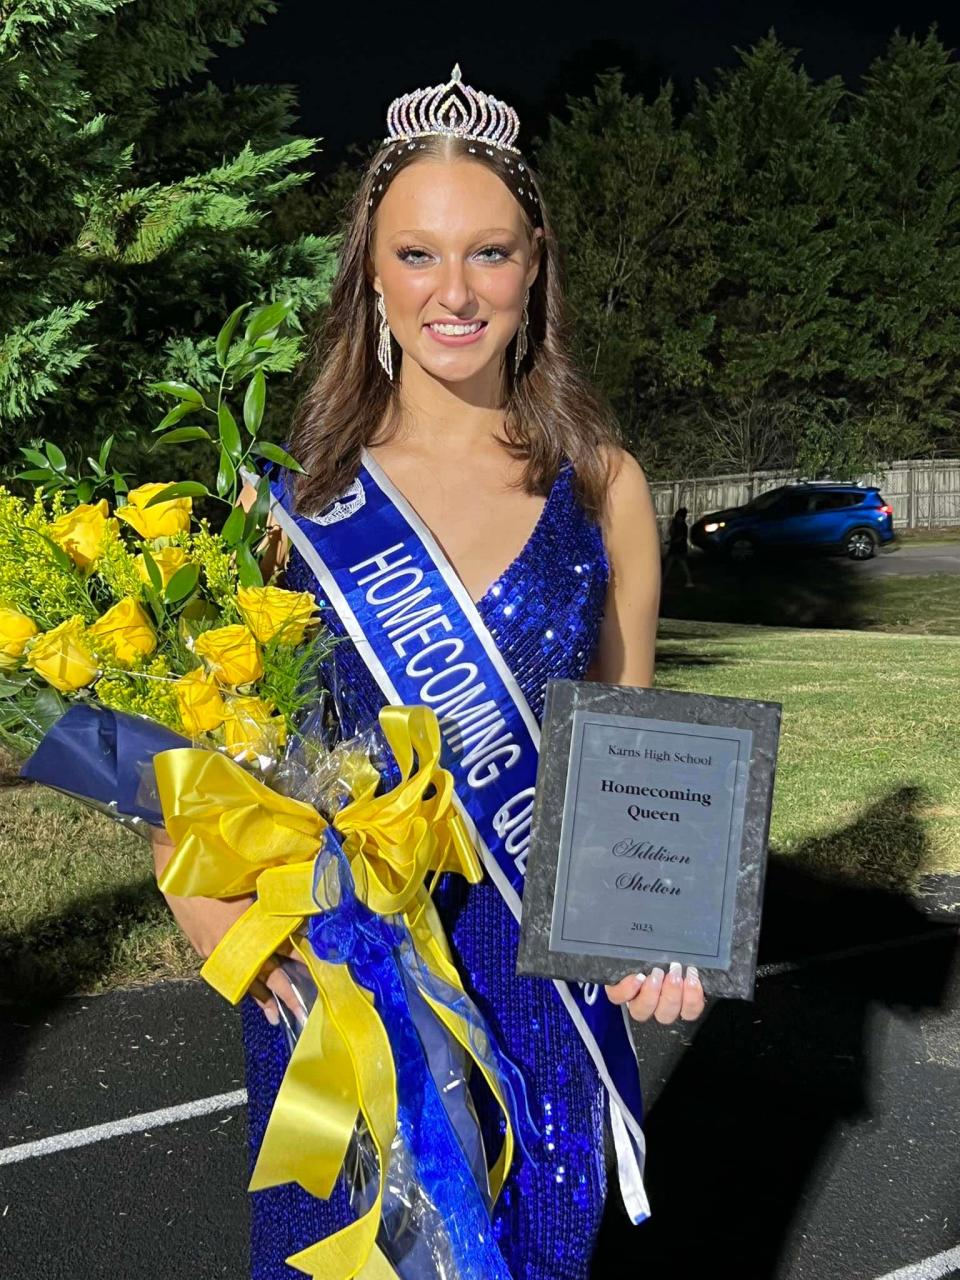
(243, 362)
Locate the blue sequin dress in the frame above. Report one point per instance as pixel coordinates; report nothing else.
(544, 614)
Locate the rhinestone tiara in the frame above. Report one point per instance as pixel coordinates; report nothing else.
(455, 109)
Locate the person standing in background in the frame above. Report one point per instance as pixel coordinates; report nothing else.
(677, 546)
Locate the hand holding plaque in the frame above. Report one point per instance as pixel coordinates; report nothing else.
(649, 839)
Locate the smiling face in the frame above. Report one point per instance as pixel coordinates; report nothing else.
(451, 247)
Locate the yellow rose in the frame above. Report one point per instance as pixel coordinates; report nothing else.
(250, 729)
(168, 560)
(199, 702)
(81, 532)
(161, 521)
(126, 631)
(231, 653)
(61, 658)
(272, 613)
(15, 630)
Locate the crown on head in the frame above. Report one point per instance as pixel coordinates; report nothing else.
(456, 109)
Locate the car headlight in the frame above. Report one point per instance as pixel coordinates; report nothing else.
(714, 526)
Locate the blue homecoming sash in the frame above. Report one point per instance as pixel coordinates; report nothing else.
(418, 631)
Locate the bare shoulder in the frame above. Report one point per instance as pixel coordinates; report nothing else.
(629, 500)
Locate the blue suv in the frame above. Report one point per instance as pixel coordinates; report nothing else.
(847, 518)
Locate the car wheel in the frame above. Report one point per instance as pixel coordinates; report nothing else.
(861, 544)
(742, 548)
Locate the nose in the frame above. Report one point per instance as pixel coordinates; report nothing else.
(454, 291)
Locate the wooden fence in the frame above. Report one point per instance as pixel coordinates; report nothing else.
(924, 495)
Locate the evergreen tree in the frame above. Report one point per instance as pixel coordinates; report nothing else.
(786, 338)
(902, 272)
(137, 212)
(631, 206)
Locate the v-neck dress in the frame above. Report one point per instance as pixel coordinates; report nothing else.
(544, 614)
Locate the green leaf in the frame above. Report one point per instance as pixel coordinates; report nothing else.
(47, 708)
(233, 526)
(226, 334)
(96, 468)
(262, 504)
(182, 489)
(33, 455)
(105, 451)
(179, 434)
(57, 553)
(265, 319)
(248, 570)
(57, 457)
(254, 401)
(153, 571)
(182, 390)
(176, 413)
(120, 483)
(226, 475)
(46, 474)
(85, 490)
(182, 583)
(274, 453)
(229, 432)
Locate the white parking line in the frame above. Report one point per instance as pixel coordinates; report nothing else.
(935, 1268)
(115, 1128)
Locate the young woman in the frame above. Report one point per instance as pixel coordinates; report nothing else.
(446, 406)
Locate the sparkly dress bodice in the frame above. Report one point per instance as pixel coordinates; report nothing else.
(544, 614)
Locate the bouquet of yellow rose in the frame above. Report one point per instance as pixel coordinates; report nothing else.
(142, 611)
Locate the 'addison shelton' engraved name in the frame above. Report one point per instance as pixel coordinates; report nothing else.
(644, 849)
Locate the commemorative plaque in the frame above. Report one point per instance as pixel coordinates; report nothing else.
(649, 839)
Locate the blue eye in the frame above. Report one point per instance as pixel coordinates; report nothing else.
(414, 256)
(404, 254)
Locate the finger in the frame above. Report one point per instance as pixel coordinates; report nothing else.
(625, 989)
(280, 985)
(671, 995)
(641, 1007)
(693, 996)
(265, 999)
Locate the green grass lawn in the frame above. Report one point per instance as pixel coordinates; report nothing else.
(868, 789)
(868, 780)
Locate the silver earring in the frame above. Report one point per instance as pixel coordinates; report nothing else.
(384, 352)
(521, 350)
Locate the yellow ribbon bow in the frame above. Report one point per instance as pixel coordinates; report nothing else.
(233, 835)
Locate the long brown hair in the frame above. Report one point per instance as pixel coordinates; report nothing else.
(552, 412)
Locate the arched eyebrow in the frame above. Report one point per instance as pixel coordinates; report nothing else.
(479, 235)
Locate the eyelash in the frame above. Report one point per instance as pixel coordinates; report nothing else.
(408, 249)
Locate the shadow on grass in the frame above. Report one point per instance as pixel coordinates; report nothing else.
(744, 1129)
(72, 951)
(807, 591)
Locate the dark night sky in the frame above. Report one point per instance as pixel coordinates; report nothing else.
(348, 63)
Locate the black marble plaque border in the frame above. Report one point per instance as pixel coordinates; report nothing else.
(563, 698)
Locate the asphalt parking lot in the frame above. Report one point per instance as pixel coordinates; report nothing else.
(809, 1135)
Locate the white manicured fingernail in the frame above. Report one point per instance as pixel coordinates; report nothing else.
(641, 978)
(676, 972)
(272, 1016)
(656, 976)
(692, 974)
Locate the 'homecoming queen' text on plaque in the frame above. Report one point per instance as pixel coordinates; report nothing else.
(649, 834)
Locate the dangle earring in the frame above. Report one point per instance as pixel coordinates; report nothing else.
(384, 352)
(521, 349)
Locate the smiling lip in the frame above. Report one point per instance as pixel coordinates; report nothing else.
(461, 340)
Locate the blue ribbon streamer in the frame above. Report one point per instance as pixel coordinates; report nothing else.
(436, 1129)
